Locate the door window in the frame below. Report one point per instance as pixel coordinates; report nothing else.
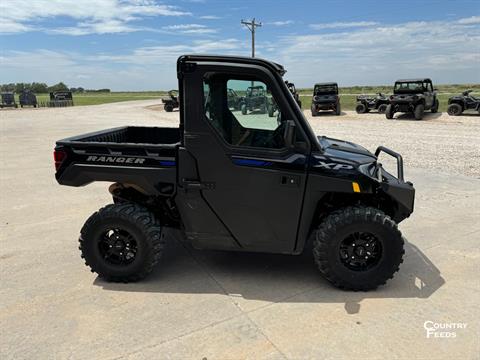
(243, 112)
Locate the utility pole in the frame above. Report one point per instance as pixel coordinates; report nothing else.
(251, 25)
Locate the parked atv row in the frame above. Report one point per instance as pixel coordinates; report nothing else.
(460, 103)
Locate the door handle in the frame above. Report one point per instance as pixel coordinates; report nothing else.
(290, 180)
(197, 185)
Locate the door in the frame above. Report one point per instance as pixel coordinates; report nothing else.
(429, 98)
(250, 178)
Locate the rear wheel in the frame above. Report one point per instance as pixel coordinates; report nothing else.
(358, 248)
(382, 109)
(454, 109)
(418, 112)
(122, 242)
(361, 108)
(314, 110)
(434, 108)
(389, 111)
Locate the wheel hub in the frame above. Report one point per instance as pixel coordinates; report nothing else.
(118, 247)
(360, 251)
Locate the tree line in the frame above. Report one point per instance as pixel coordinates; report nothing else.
(40, 88)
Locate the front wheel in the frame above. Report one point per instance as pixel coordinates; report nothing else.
(168, 108)
(358, 248)
(122, 242)
(418, 111)
(338, 110)
(389, 112)
(454, 109)
(244, 109)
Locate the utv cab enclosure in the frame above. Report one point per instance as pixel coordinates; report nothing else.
(8, 100)
(325, 97)
(238, 182)
(412, 96)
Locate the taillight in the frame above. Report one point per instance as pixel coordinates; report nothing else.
(58, 157)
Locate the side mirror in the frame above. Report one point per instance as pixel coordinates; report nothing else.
(289, 134)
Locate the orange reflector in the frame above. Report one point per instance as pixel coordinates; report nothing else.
(356, 187)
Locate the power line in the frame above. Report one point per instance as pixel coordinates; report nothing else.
(252, 25)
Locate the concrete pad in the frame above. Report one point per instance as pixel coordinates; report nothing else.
(219, 305)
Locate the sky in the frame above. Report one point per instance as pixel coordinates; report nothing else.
(133, 44)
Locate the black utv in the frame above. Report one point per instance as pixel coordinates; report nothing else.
(27, 98)
(171, 102)
(243, 183)
(8, 100)
(325, 97)
(365, 103)
(460, 103)
(60, 99)
(412, 96)
(255, 99)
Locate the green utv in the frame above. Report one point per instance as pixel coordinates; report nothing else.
(230, 181)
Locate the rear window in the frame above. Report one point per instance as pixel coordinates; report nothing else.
(326, 89)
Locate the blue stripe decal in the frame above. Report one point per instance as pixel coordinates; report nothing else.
(251, 162)
(167, 162)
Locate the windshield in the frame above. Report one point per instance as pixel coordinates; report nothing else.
(408, 87)
(325, 89)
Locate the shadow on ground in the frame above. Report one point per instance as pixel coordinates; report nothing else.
(275, 278)
(411, 117)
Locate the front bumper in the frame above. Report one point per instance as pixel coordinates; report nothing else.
(401, 191)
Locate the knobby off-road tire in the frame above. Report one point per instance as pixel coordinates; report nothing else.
(338, 110)
(314, 110)
(168, 108)
(435, 106)
(389, 112)
(352, 224)
(244, 109)
(454, 109)
(127, 229)
(382, 109)
(419, 111)
(361, 109)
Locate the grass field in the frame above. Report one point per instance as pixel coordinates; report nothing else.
(347, 95)
(105, 98)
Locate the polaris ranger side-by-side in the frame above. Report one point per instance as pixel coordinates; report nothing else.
(412, 96)
(238, 182)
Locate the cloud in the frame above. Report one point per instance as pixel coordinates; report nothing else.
(443, 50)
(470, 21)
(341, 25)
(190, 29)
(281, 23)
(210, 17)
(91, 16)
